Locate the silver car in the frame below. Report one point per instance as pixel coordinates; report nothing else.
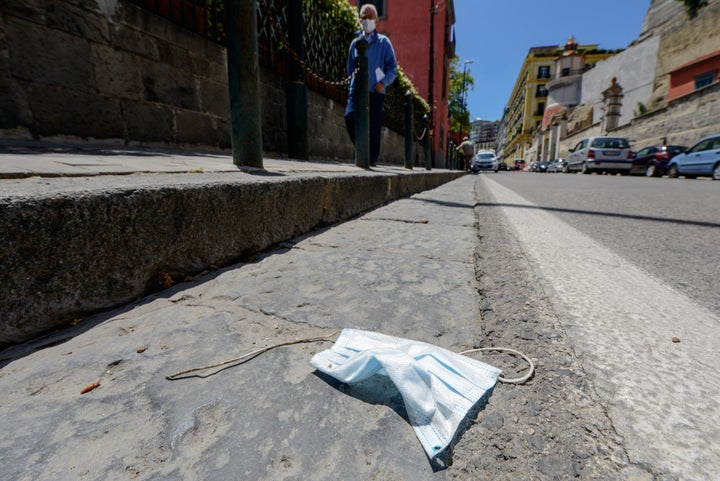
(601, 154)
(484, 160)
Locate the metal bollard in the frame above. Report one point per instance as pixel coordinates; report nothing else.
(243, 82)
(409, 130)
(362, 108)
(426, 142)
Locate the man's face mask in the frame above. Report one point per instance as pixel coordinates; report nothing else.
(368, 25)
(438, 386)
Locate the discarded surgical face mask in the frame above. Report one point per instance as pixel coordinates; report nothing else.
(438, 386)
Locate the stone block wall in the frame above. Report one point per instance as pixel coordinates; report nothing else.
(110, 71)
(683, 122)
(683, 44)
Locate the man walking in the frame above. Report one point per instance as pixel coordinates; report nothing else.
(382, 67)
(468, 150)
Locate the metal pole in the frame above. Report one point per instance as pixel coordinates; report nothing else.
(464, 95)
(295, 88)
(244, 82)
(426, 142)
(431, 80)
(362, 108)
(409, 130)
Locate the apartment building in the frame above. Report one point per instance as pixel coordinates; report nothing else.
(526, 107)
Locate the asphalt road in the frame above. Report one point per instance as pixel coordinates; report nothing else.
(629, 265)
(666, 227)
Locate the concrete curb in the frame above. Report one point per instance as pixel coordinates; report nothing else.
(66, 254)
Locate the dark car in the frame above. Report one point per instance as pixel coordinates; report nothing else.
(542, 166)
(653, 161)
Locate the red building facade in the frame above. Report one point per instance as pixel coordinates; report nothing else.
(422, 35)
(699, 73)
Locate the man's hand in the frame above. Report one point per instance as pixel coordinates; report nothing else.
(379, 87)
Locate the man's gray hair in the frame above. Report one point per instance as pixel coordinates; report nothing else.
(369, 6)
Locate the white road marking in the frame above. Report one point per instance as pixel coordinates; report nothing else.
(663, 396)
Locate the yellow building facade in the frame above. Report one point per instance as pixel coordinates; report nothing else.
(528, 100)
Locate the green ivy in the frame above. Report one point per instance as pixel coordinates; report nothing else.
(395, 105)
(692, 7)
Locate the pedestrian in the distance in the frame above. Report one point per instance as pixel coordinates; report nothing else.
(382, 67)
(468, 150)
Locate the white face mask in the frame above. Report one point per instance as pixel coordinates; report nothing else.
(368, 25)
(435, 409)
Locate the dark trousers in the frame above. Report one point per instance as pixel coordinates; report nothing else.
(376, 110)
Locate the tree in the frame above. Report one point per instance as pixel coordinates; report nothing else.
(692, 7)
(459, 117)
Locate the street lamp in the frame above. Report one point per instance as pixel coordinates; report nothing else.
(464, 106)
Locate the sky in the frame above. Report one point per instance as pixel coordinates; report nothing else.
(497, 34)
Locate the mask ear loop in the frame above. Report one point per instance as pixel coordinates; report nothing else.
(518, 380)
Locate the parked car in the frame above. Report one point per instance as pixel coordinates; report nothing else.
(653, 161)
(484, 160)
(519, 164)
(556, 165)
(702, 158)
(541, 166)
(502, 166)
(601, 154)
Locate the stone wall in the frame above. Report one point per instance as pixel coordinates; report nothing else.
(109, 71)
(662, 15)
(688, 41)
(683, 122)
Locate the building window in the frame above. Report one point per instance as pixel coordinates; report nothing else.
(541, 91)
(704, 80)
(544, 71)
(379, 5)
(541, 108)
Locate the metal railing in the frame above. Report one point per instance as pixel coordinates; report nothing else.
(326, 39)
(326, 48)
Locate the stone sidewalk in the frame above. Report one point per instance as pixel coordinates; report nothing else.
(405, 269)
(21, 159)
(87, 228)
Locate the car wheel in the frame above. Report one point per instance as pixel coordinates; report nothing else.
(716, 171)
(584, 169)
(566, 169)
(673, 171)
(651, 171)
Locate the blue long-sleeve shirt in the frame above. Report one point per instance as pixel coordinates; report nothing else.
(380, 55)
